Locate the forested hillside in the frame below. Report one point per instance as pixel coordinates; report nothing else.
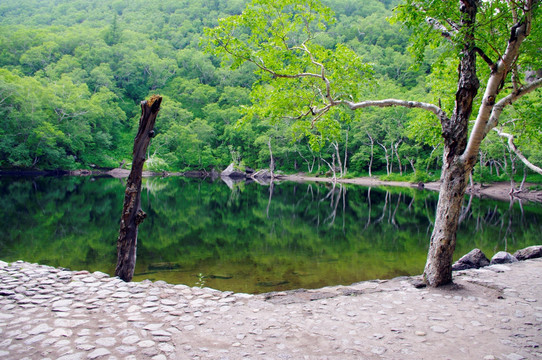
(72, 74)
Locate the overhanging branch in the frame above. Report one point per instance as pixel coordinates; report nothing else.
(515, 150)
(395, 102)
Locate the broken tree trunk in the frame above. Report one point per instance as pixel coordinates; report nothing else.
(132, 215)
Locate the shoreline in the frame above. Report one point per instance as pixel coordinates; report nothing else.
(498, 190)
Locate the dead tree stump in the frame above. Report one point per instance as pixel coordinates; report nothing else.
(132, 215)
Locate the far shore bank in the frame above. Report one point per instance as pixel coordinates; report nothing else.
(498, 191)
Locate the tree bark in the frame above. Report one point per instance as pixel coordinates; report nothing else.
(459, 155)
(335, 145)
(345, 153)
(438, 269)
(396, 149)
(372, 155)
(132, 215)
(386, 156)
(455, 169)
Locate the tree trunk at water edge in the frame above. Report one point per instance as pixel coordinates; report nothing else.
(132, 215)
(438, 269)
(455, 169)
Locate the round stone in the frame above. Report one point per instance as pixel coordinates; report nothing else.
(129, 340)
(146, 343)
(106, 341)
(98, 353)
(439, 329)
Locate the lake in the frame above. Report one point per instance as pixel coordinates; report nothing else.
(245, 239)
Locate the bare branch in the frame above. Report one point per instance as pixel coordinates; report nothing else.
(395, 102)
(261, 65)
(455, 26)
(514, 149)
(302, 115)
(319, 113)
(489, 111)
(322, 71)
(5, 98)
(512, 6)
(444, 31)
(508, 100)
(485, 57)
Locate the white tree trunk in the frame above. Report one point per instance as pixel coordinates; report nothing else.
(372, 155)
(396, 149)
(272, 160)
(345, 154)
(337, 155)
(386, 156)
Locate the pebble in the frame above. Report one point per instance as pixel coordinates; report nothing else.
(146, 343)
(514, 356)
(439, 329)
(42, 328)
(107, 341)
(98, 353)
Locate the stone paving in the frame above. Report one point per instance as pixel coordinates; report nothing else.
(490, 313)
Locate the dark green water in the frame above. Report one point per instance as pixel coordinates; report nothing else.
(201, 233)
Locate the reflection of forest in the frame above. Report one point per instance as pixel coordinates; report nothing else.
(250, 238)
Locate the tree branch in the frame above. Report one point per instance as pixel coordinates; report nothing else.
(395, 102)
(512, 6)
(322, 73)
(261, 64)
(515, 150)
(508, 100)
(489, 111)
(444, 31)
(485, 57)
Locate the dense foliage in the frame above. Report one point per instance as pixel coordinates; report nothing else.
(73, 72)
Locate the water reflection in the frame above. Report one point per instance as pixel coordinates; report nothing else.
(249, 237)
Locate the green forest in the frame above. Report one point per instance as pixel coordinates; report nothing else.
(72, 75)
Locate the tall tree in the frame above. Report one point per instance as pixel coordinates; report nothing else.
(302, 80)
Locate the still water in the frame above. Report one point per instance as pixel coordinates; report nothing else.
(246, 238)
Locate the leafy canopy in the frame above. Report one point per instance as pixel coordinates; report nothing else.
(281, 39)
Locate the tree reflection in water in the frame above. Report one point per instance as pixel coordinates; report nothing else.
(250, 238)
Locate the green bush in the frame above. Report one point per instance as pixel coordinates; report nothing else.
(422, 176)
(395, 177)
